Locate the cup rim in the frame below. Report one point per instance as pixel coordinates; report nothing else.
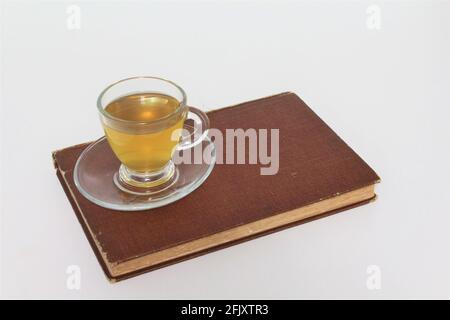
(108, 115)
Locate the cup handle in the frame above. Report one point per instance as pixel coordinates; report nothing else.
(195, 130)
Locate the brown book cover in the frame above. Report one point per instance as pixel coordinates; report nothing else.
(318, 175)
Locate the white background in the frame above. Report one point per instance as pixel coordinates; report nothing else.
(385, 92)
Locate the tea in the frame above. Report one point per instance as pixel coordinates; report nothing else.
(139, 149)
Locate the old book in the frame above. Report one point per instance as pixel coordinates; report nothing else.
(318, 175)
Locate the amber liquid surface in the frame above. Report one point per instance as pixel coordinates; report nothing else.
(137, 148)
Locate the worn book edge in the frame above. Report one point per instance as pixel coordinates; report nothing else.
(243, 231)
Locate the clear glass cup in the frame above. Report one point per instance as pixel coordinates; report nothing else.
(145, 147)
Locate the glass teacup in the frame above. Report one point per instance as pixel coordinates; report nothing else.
(143, 119)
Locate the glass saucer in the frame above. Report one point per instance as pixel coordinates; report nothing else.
(97, 167)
